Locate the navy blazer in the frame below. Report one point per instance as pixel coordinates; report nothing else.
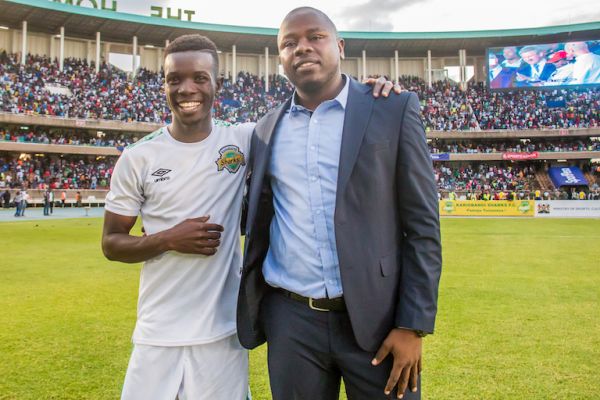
(547, 71)
(386, 220)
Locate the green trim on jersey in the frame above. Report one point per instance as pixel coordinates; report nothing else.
(148, 137)
(219, 122)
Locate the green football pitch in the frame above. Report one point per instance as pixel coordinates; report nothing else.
(519, 312)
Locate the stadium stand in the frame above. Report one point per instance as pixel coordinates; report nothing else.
(63, 123)
(110, 94)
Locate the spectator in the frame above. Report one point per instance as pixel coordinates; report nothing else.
(110, 94)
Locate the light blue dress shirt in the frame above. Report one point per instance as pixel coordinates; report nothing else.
(303, 168)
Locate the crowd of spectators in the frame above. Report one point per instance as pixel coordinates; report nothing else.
(541, 145)
(244, 100)
(484, 177)
(580, 193)
(55, 172)
(507, 182)
(499, 181)
(39, 87)
(445, 107)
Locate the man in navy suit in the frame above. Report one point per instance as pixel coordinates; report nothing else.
(343, 253)
(536, 70)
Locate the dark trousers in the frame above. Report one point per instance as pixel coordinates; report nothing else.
(310, 351)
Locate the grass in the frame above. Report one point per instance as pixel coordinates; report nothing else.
(519, 312)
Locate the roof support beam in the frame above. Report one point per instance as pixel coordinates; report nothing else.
(134, 53)
(396, 70)
(61, 51)
(462, 59)
(97, 52)
(24, 43)
(429, 72)
(266, 69)
(234, 62)
(364, 64)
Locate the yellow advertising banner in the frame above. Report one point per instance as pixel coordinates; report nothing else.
(481, 208)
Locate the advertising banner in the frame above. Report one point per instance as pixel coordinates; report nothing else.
(481, 208)
(440, 156)
(567, 208)
(520, 156)
(567, 176)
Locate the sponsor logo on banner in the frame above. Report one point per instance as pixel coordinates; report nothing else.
(448, 207)
(569, 176)
(482, 208)
(567, 208)
(520, 156)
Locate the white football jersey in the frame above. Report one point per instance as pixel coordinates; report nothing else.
(186, 299)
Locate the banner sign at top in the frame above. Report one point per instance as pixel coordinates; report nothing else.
(168, 9)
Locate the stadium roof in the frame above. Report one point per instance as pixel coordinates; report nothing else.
(48, 16)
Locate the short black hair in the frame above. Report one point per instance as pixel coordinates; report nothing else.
(194, 42)
(315, 11)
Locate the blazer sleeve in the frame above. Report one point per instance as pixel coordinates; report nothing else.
(421, 251)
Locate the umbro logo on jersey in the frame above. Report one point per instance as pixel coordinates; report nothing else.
(160, 173)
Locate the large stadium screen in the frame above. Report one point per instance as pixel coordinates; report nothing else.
(544, 65)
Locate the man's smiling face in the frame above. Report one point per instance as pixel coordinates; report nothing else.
(190, 85)
(309, 50)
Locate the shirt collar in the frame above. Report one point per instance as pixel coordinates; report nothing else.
(341, 98)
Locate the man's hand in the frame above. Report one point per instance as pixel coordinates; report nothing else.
(382, 86)
(521, 77)
(194, 236)
(405, 347)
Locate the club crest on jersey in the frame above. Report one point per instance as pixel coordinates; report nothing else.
(231, 158)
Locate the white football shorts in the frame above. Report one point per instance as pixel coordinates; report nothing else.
(211, 371)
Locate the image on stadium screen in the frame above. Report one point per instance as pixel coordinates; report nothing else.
(573, 63)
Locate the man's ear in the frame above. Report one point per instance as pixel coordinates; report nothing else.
(341, 45)
(220, 81)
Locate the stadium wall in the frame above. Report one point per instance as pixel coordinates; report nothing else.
(109, 151)
(58, 149)
(72, 123)
(145, 128)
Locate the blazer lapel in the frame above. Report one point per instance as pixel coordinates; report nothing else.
(264, 131)
(356, 119)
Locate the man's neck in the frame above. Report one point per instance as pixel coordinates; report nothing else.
(190, 133)
(312, 100)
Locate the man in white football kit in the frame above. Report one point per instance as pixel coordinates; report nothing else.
(186, 180)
